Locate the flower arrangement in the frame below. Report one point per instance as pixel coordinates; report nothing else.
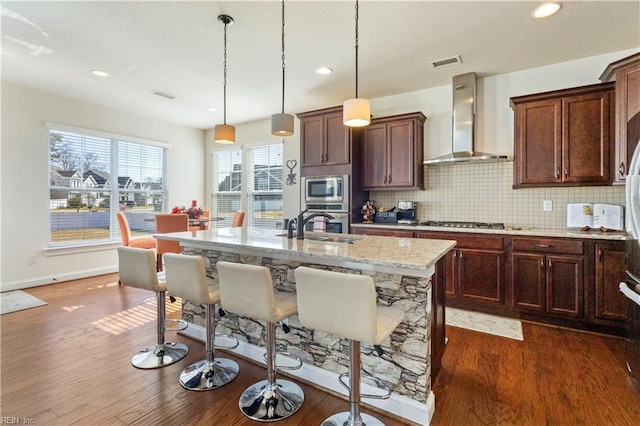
(193, 212)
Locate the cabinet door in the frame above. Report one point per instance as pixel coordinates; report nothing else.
(337, 141)
(587, 138)
(628, 116)
(528, 281)
(312, 137)
(400, 154)
(375, 156)
(538, 142)
(565, 286)
(383, 232)
(610, 303)
(481, 276)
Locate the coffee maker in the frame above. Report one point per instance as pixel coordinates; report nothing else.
(407, 212)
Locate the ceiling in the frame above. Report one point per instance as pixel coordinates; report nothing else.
(177, 48)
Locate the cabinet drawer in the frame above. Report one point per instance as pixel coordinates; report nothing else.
(487, 242)
(548, 245)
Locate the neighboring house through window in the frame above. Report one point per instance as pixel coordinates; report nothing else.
(85, 195)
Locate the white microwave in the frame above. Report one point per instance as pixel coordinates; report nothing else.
(325, 189)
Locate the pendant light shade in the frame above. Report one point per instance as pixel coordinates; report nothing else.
(224, 133)
(282, 123)
(356, 112)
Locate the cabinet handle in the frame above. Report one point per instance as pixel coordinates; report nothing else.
(389, 180)
(549, 264)
(542, 264)
(544, 246)
(566, 171)
(599, 259)
(622, 169)
(385, 179)
(557, 172)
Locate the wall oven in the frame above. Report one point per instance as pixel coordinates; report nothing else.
(338, 225)
(325, 189)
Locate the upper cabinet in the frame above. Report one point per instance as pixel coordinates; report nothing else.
(392, 152)
(325, 143)
(627, 75)
(564, 137)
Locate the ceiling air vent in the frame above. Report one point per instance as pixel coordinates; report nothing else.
(162, 94)
(446, 62)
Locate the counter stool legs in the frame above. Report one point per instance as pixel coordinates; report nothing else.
(271, 399)
(210, 373)
(161, 354)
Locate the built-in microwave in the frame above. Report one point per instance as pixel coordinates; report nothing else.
(325, 189)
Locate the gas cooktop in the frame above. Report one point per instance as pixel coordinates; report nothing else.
(448, 224)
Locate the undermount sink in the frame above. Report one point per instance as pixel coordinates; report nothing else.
(325, 238)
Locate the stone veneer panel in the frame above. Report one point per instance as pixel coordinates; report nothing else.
(405, 365)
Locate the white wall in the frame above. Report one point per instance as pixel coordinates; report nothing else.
(24, 182)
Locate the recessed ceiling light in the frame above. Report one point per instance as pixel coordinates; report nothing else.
(546, 9)
(212, 109)
(324, 70)
(99, 73)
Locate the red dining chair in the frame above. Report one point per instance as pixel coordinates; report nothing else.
(125, 234)
(167, 222)
(238, 219)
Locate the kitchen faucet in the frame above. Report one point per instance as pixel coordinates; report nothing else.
(301, 221)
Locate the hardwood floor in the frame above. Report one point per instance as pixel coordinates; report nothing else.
(69, 363)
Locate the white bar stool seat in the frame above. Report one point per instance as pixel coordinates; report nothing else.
(345, 305)
(187, 279)
(247, 290)
(137, 268)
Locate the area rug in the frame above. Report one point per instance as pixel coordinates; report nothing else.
(17, 300)
(485, 323)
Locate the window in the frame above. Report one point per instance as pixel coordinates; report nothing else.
(92, 176)
(262, 184)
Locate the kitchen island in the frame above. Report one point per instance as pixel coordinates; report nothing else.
(403, 270)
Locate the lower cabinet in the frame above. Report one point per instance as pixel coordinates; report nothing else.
(609, 302)
(475, 268)
(548, 276)
(383, 232)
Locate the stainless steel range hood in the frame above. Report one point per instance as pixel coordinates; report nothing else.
(464, 126)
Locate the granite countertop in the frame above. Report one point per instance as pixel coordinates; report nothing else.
(510, 230)
(388, 252)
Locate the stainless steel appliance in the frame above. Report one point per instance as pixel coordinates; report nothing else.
(407, 212)
(338, 225)
(326, 189)
(452, 224)
(631, 288)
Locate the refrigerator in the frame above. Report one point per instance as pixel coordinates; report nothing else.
(631, 286)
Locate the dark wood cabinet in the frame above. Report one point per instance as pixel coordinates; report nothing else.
(564, 137)
(610, 264)
(392, 152)
(475, 268)
(626, 73)
(383, 232)
(548, 276)
(324, 141)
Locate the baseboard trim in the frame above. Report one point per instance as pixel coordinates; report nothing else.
(397, 405)
(53, 279)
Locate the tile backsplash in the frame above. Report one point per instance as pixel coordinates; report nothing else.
(484, 193)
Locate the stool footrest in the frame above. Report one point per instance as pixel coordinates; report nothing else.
(234, 345)
(182, 325)
(379, 383)
(288, 355)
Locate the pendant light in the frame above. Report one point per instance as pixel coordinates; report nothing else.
(224, 133)
(356, 112)
(282, 124)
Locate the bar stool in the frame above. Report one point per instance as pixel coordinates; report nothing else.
(345, 305)
(247, 290)
(137, 268)
(187, 278)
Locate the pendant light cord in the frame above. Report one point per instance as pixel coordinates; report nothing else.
(224, 91)
(356, 48)
(283, 67)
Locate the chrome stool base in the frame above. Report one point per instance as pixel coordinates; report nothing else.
(204, 375)
(158, 356)
(341, 419)
(269, 403)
